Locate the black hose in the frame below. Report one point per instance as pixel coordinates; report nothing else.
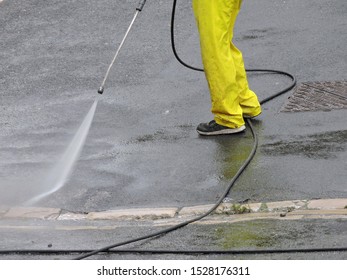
(173, 45)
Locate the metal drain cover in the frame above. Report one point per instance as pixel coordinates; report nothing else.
(318, 96)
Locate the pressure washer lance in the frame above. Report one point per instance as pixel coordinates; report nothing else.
(138, 9)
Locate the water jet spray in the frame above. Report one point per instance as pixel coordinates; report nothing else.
(60, 173)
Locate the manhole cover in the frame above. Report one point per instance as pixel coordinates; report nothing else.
(318, 96)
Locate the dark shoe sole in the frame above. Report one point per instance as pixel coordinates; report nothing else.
(223, 131)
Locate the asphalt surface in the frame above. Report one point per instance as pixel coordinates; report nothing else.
(220, 235)
(142, 149)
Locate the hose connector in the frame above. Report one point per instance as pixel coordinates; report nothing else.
(140, 5)
(101, 90)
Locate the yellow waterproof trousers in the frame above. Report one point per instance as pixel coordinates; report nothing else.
(223, 63)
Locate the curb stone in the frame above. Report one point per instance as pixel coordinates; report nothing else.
(284, 209)
(328, 204)
(131, 214)
(33, 213)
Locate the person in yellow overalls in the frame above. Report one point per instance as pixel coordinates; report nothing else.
(231, 98)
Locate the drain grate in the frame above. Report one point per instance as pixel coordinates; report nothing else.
(318, 96)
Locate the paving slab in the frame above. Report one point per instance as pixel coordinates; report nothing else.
(141, 213)
(328, 204)
(195, 210)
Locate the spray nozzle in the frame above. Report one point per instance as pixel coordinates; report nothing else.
(101, 90)
(140, 5)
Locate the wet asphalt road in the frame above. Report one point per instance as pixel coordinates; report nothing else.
(248, 235)
(142, 149)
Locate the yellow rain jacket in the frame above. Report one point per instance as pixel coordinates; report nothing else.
(223, 63)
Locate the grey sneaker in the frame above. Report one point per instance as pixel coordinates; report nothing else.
(213, 128)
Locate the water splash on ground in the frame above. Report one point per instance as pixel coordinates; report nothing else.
(60, 173)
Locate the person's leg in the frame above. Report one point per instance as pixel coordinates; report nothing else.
(247, 98)
(215, 21)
